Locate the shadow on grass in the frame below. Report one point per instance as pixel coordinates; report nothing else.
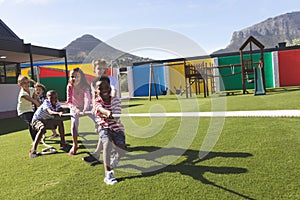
(11, 125)
(271, 91)
(131, 105)
(187, 167)
(15, 124)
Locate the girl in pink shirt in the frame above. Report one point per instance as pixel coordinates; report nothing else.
(78, 99)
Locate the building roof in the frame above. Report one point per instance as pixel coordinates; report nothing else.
(7, 33)
(14, 50)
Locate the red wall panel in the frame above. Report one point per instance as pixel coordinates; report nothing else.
(289, 67)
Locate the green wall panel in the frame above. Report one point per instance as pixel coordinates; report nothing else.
(232, 77)
(56, 83)
(269, 74)
(230, 81)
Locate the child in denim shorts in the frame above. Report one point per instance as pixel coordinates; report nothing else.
(110, 129)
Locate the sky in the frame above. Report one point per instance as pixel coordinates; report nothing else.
(208, 24)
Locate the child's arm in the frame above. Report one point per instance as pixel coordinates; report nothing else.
(98, 108)
(51, 112)
(32, 81)
(116, 106)
(87, 100)
(70, 99)
(107, 113)
(32, 100)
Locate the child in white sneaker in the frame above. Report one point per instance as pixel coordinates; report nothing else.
(110, 129)
(43, 119)
(100, 68)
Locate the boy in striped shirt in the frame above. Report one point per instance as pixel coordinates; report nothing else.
(110, 129)
(43, 119)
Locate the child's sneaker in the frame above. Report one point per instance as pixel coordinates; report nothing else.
(32, 154)
(114, 161)
(109, 178)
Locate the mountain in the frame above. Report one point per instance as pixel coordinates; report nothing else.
(283, 28)
(87, 47)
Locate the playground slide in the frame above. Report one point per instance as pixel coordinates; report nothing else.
(258, 82)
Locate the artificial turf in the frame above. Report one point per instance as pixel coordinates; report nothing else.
(251, 158)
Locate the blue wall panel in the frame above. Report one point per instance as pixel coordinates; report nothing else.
(141, 75)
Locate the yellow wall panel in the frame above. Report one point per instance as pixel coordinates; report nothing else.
(177, 74)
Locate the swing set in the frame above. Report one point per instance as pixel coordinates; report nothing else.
(252, 72)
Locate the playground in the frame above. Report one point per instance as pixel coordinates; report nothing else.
(252, 158)
(223, 126)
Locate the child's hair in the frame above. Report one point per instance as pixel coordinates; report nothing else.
(36, 85)
(21, 79)
(83, 81)
(51, 92)
(100, 78)
(99, 61)
(105, 78)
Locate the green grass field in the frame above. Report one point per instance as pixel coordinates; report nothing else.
(253, 158)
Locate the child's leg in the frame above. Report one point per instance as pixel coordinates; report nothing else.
(107, 146)
(98, 148)
(104, 137)
(74, 132)
(119, 141)
(41, 130)
(61, 130)
(27, 117)
(120, 147)
(54, 133)
(74, 128)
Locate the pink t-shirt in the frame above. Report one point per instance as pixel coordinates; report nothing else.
(80, 99)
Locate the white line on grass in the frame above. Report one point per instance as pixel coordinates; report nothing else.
(253, 113)
(256, 113)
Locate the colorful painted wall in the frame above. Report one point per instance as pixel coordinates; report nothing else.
(282, 68)
(53, 74)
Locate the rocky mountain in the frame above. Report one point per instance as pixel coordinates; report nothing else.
(87, 47)
(283, 28)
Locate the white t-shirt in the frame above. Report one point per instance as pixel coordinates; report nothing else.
(24, 105)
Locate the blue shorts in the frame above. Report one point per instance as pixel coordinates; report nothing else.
(106, 134)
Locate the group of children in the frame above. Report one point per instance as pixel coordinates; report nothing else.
(99, 97)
